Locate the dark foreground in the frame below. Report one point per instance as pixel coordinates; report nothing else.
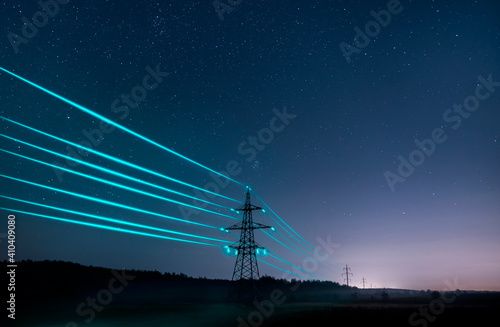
(70, 295)
(287, 315)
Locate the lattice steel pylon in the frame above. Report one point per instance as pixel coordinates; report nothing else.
(347, 273)
(246, 271)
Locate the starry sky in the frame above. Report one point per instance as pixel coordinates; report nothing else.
(382, 138)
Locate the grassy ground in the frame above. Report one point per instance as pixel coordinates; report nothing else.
(296, 314)
(57, 294)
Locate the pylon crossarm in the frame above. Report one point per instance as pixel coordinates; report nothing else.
(260, 226)
(248, 208)
(237, 226)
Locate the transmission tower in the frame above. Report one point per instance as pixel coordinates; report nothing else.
(246, 271)
(347, 273)
(364, 281)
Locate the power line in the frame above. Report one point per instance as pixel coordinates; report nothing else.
(123, 128)
(112, 220)
(123, 163)
(310, 247)
(108, 202)
(116, 229)
(287, 233)
(286, 246)
(291, 264)
(119, 185)
(305, 255)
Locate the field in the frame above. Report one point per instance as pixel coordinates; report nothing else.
(73, 295)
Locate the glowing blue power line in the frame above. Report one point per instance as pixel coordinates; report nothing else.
(112, 220)
(286, 239)
(117, 184)
(115, 229)
(123, 162)
(291, 264)
(107, 202)
(274, 238)
(304, 255)
(308, 256)
(123, 128)
(311, 248)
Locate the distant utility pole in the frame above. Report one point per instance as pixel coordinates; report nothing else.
(347, 273)
(364, 280)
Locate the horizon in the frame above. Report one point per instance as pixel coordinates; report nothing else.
(381, 287)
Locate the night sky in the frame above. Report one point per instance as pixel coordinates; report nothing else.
(386, 145)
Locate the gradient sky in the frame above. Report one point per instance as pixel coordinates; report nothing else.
(322, 172)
